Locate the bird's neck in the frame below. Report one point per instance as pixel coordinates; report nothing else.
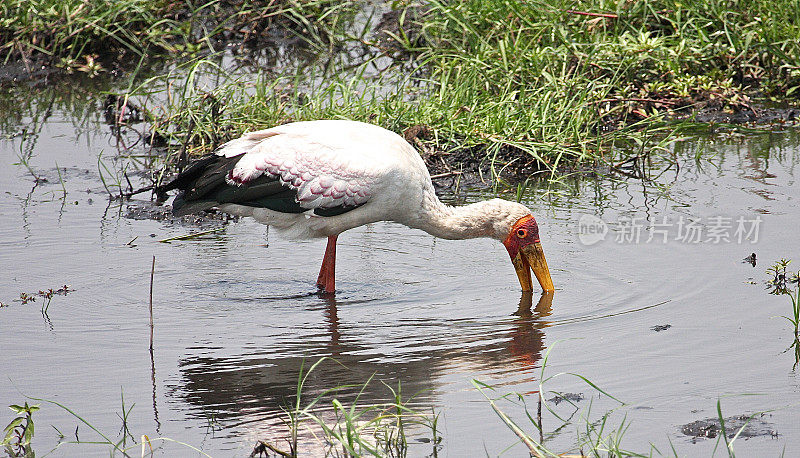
(456, 223)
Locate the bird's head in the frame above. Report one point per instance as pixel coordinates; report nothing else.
(525, 249)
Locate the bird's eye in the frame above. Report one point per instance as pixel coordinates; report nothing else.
(522, 233)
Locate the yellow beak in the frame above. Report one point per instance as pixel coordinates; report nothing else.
(531, 258)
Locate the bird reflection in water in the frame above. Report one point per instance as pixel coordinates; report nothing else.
(527, 337)
(418, 353)
(525, 342)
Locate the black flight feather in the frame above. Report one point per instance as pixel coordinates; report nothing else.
(202, 186)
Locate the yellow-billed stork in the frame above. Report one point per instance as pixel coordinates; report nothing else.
(321, 178)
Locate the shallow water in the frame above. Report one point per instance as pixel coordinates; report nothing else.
(235, 320)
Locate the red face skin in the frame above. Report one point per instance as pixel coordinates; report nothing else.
(524, 232)
(526, 254)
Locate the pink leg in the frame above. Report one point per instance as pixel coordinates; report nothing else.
(327, 272)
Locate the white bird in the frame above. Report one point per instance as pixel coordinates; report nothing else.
(321, 178)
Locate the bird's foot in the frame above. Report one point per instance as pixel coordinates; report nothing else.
(326, 285)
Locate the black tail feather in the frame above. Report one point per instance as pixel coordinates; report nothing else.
(202, 186)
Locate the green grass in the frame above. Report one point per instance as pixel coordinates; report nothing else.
(316, 424)
(20, 430)
(320, 423)
(548, 84)
(91, 36)
(597, 435)
(19, 434)
(376, 429)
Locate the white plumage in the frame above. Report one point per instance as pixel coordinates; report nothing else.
(331, 163)
(321, 178)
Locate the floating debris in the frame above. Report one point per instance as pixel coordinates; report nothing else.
(568, 397)
(750, 426)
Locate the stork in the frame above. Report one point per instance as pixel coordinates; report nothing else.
(321, 178)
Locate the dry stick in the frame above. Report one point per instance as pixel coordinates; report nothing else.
(273, 449)
(152, 273)
(446, 174)
(24, 57)
(152, 358)
(539, 419)
(191, 236)
(139, 191)
(586, 13)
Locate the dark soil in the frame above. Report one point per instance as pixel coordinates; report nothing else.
(755, 115)
(32, 71)
(470, 166)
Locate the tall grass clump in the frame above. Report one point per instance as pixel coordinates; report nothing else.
(74, 28)
(86, 35)
(529, 73)
(640, 48)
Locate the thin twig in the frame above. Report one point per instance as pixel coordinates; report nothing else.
(191, 236)
(138, 191)
(637, 99)
(152, 274)
(446, 174)
(273, 449)
(585, 13)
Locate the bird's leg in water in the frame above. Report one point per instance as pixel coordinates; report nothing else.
(327, 273)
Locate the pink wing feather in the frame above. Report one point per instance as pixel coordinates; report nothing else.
(324, 174)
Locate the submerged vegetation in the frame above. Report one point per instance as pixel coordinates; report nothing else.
(20, 430)
(785, 283)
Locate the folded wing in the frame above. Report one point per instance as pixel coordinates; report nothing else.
(284, 172)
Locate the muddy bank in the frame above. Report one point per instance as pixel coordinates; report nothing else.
(92, 37)
(472, 167)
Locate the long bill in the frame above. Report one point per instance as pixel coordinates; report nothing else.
(531, 258)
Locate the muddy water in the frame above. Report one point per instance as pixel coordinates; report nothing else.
(668, 327)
